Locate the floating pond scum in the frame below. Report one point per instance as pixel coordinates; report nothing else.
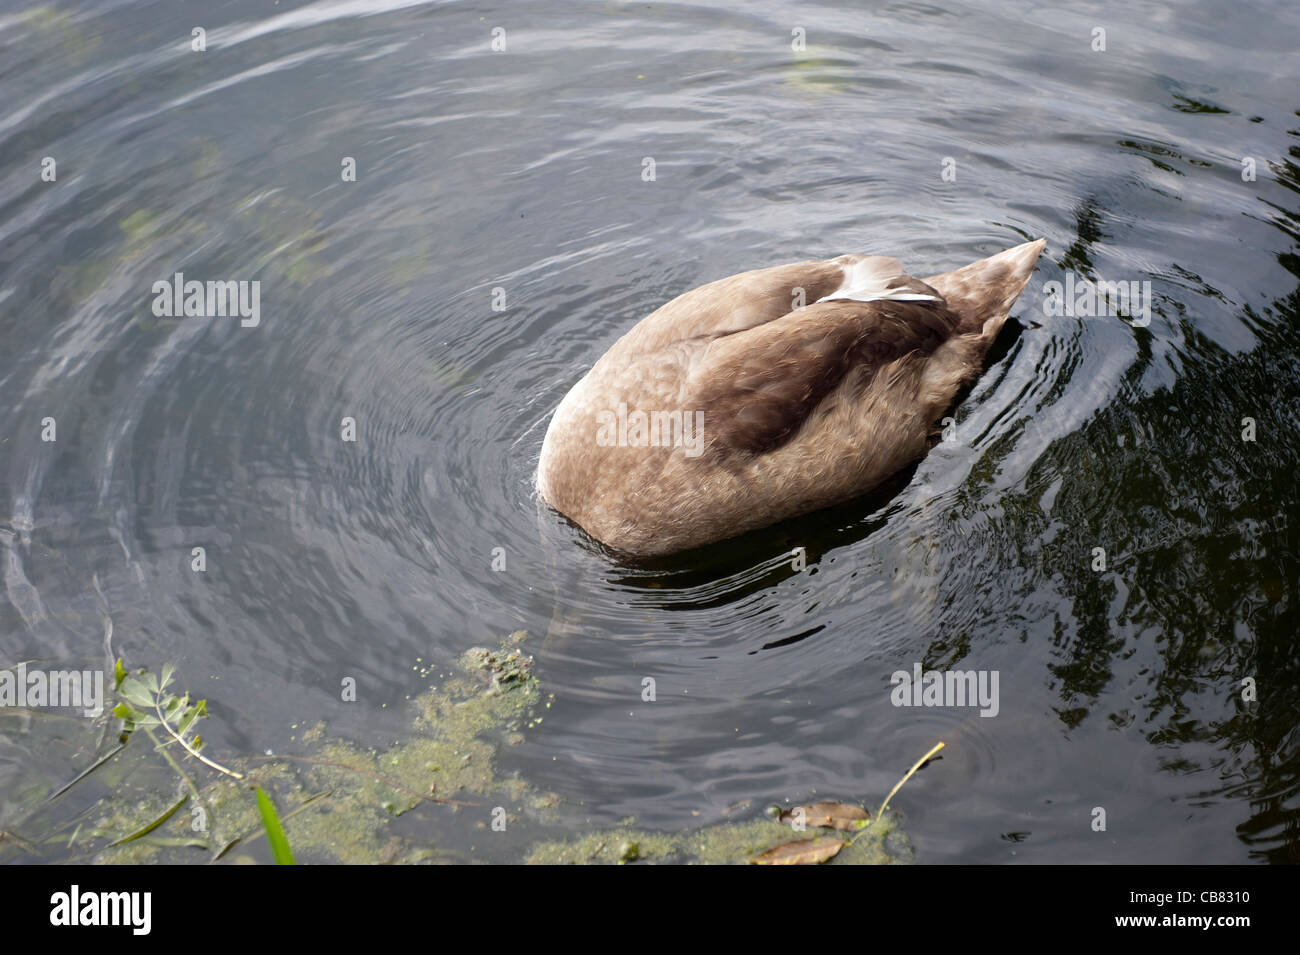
(154, 796)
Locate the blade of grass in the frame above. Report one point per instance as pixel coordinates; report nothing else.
(274, 834)
(287, 816)
(153, 825)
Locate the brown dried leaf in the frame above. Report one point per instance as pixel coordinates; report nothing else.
(829, 815)
(801, 852)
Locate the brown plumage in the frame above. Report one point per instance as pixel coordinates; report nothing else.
(813, 383)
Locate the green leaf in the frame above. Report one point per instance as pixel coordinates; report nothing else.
(167, 671)
(153, 825)
(118, 673)
(135, 692)
(123, 712)
(188, 717)
(274, 834)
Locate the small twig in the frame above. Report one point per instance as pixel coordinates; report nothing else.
(303, 805)
(176, 767)
(897, 786)
(224, 849)
(85, 772)
(6, 836)
(173, 842)
(162, 720)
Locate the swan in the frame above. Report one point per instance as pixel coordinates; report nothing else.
(770, 394)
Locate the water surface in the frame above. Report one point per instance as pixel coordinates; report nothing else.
(519, 177)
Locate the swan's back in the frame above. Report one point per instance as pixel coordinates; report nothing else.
(813, 382)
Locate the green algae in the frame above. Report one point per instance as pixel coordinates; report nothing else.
(819, 76)
(74, 41)
(880, 843)
(209, 160)
(342, 802)
(606, 847)
(338, 799)
(290, 234)
(139, 228)
(73, 285)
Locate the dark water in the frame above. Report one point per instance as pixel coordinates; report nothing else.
(522, 170)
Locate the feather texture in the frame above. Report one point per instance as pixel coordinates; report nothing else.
(799, 406)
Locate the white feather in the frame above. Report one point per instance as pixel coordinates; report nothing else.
(867, 280)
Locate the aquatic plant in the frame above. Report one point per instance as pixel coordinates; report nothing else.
(338, 800)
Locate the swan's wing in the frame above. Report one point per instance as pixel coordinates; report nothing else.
(758, 387)
(751, 299)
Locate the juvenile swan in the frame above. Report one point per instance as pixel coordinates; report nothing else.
(737, 405)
